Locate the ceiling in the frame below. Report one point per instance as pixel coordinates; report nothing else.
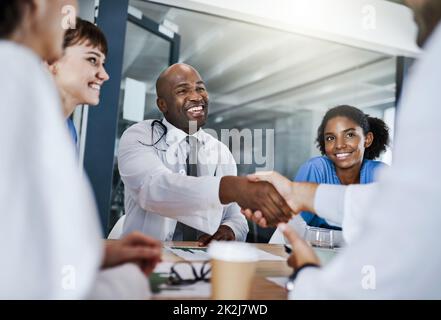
(258, 73)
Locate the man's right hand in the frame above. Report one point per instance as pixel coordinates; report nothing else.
(260, 196)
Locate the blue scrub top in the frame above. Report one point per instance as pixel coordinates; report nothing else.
(72, 130)
(322, 170)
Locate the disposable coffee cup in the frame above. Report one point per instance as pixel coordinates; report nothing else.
(233, 266)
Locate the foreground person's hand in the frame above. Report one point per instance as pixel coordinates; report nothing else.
(136, 248)
(302, 252)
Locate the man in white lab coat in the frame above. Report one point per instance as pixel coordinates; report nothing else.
(166, 191)
(394, 224)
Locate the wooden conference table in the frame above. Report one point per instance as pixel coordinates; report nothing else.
(262, 288)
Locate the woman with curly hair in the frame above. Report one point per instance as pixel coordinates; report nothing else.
(349, 141)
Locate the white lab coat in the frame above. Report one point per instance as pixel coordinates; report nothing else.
(49, 233)
(158, 193)
(394, 253)
(50, 238)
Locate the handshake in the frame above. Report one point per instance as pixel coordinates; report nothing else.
(267, 198)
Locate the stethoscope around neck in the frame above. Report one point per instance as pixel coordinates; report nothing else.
(164, 133)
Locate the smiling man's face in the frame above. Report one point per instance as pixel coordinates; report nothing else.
(182, 96)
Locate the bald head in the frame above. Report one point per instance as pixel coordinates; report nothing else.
(170, 74)
(182, 96)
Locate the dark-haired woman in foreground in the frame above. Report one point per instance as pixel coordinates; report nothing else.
(349, 141)
(50, 236)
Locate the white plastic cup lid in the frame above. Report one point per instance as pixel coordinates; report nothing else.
(233, 251)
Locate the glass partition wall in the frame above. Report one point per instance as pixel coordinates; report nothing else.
(269, 89)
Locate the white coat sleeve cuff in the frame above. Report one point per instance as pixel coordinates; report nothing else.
(329, 202)
(307, 285)
(357, 201)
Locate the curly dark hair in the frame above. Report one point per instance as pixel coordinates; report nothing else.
(377, 126)
(11, 15)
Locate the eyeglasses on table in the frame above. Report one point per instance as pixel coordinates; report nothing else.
(185, 273)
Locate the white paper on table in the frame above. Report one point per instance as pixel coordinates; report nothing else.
(280, 281)
(199, 289)
(190, 254)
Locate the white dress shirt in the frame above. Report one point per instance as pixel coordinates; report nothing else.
(50, 239)
(395, 253)
(158, 192)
